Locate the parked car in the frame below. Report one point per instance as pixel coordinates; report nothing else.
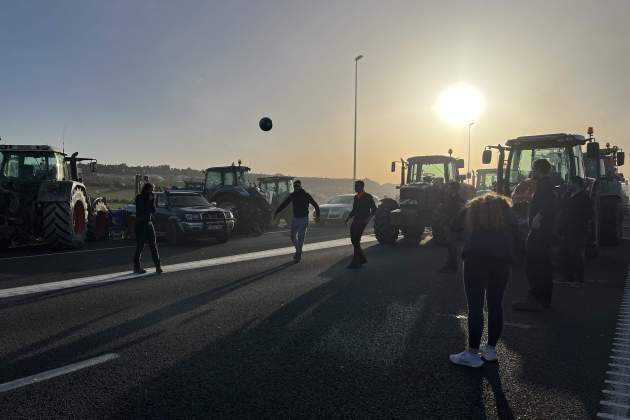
(337, 208)
(185, 215)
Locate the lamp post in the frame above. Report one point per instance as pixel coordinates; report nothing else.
(356, 70)
(469, 169)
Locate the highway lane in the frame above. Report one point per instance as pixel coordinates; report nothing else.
(34, 265)
(270, 339)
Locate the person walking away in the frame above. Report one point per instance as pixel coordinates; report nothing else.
(578, 212)
(301, 201)
(488, 256)
(363, 208)
(453, 204)
(144, 229)
(538, 246)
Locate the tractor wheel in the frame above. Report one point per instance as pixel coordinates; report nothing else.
(384, 231)
(65, 223)
(609, 221)
(98, 221)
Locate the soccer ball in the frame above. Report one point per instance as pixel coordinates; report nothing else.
(265, 124)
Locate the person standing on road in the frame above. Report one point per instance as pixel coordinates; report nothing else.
(538, 246)
(448, 212)
(363, 209)
(301, 200)
(144, 229)
(578, 212)
(488, 256)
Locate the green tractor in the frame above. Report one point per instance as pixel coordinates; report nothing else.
(424, 185)
(43, 199)
(228, 186)
(276, 189)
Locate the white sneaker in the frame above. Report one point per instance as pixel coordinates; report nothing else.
(466, 358)
(488, 353)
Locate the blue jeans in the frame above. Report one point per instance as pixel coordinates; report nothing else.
(298, 232)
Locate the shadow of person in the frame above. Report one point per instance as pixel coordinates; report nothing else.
(492, 375)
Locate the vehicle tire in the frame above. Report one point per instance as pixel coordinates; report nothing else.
(5, 243)
(439, 236)
(222, 238)
(65, 223)
(98, 221)
(609, 228)
(172, 234)
(384, 231)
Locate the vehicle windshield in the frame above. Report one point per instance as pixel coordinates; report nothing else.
(341, 199)
(187, 200)
(521, 163)
(487, 181)
(427, 172)
(31, 166)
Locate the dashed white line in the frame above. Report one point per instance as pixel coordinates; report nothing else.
(53, 373)
(616, 405)
(192, 265)
(54, 254)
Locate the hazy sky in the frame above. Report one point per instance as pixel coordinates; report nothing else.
(185, 82)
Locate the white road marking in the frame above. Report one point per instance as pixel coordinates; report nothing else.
(54, 254)
(616, 405)
(192, 265)
(49, 374)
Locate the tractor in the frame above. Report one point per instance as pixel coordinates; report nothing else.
(43, 199)
(229, 188)
(564, 153)
(610, 197)
(485, 181)
(276, 189)
(424, 185)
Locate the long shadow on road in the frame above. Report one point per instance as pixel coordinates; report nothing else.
(362, 344)
(69, 352)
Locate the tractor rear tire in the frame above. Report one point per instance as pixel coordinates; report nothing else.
(611, 217)
(65, 223)
(385, 233)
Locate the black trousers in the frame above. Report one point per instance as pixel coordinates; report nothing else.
(573, 250)
(145, 233)
(356, 231)
(485, 277)
(539, 268)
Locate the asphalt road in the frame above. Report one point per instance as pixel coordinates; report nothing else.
(266, 338)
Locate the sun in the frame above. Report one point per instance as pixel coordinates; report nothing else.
(459, 104)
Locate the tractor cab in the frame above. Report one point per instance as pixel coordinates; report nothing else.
(276, 188)
(32, 164)
(432, 169)
(486, 181)
(225, 176)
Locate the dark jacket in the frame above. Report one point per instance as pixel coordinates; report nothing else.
(544, 202)
(300, 199)
(494, 244)
(145, 207)
(363, 207)
(577, 213)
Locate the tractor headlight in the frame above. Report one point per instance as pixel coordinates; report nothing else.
(192, 217)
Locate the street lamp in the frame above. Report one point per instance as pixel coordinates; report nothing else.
(469, 170)
(356, 69)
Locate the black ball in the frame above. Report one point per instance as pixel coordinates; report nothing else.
(265, 124)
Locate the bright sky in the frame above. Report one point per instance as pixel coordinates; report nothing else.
(184, 83)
